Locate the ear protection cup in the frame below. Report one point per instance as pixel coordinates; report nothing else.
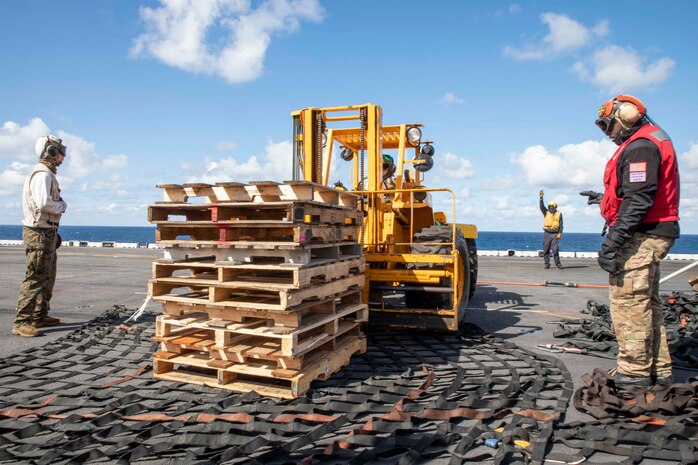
(628, 114)
(52, 151)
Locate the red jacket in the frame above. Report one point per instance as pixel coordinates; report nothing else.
(666, 200)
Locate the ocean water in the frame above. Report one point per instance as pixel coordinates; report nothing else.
(487, 240)
(141, 234)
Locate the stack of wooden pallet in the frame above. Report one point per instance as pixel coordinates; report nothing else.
(260, 285)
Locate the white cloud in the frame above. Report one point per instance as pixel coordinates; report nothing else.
(690, 157)
(451, 166)
(565, 34)
(137, 208)
(110, 185)
(602, 28)
(273, 165)
(115, 161)
(573, 165)
(182, 33)
(688, 171)
(17, 142)
(619, 69)
(81, 157)
(499, 183)
(109, 209)
(514, 8)
(225, 146)
(501, 202)
(12, 177)
(17, 145)
(451, 98)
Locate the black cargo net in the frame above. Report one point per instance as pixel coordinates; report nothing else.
(659, 422)
(411, 398)
(595, 335)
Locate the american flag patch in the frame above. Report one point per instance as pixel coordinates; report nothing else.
(638, 172)
(639, 166)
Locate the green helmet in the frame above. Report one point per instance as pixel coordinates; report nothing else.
(388, 165)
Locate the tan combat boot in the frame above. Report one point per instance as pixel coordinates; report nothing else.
(25, 331)
(47, 321)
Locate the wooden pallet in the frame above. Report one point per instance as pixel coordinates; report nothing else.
(224, 232)
(266, 276)
(315, 329)
(277, 254)
(246, 213)
(246, 295)
(258, 192)
(290, 318)
(263, 377)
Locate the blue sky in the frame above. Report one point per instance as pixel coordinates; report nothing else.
(148, 92)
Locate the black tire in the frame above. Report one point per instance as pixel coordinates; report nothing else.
(472, 256)
(418, 299)
(465, 291)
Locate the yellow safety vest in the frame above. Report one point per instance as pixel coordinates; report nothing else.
(552, 221)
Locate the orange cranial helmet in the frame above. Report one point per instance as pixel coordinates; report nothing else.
(619, 114)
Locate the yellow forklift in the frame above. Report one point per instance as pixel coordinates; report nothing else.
(421, 266)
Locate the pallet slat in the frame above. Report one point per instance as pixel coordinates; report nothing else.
(243, 296)
(293, 341)
(277, 254)
(262, 378)
(289, 318)
(250, 275)
(209, 233)
(254, 214)
(263, 191)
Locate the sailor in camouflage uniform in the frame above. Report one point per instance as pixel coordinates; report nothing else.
(641, 208)
(42, 206)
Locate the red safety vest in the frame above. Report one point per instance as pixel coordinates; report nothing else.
(666, 200)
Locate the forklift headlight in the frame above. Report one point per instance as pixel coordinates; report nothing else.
(346, 154)
(427, 149)
(420, 196)
(426, 164)
(414, 135)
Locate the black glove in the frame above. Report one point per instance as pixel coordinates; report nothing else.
(594, 197)
(607, 259)
(59, 241)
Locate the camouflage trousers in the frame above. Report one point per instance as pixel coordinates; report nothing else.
(636, 310)
(37, 288)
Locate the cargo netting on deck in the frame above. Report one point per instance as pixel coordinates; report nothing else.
(595, 334)
(411, 398)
